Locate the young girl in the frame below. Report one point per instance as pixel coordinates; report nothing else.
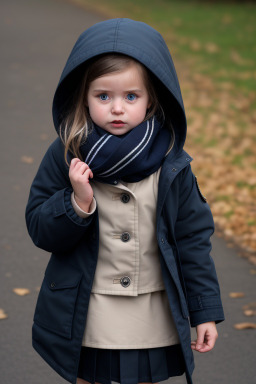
(117, 205)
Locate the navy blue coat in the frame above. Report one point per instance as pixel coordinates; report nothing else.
(184, 220)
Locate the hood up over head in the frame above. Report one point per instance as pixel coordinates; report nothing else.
(137, 40)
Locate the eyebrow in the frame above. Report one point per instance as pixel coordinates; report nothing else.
(127, 91)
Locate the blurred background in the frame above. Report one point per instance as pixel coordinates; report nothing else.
(213, 47)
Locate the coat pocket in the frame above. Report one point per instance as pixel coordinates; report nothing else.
(57, 300)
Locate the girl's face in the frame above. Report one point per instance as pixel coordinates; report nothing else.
(118, 101)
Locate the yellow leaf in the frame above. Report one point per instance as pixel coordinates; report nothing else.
(211, 48)
(241, 326)
(249, 309)
(249, 312)
(21, 291)
(27, 159)
(236, 295)
(3, 315)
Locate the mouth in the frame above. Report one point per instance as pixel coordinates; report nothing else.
(117, 123)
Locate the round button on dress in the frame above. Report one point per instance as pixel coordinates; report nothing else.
(125, 281)
(125, 237)
(125, 198)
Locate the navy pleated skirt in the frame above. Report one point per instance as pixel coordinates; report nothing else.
(130, 366)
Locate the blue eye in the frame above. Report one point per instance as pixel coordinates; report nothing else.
(131, 97)
(104, 97)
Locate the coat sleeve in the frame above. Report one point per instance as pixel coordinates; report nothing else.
(193, 229)
(51, 220)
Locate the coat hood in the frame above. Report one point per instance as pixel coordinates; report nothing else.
(135, 39)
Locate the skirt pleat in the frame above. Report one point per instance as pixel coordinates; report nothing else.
(158, 363)
(103, 367)
(130, 366)
(129, 361)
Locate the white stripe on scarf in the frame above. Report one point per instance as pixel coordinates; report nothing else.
(95, 145)
(129, 154)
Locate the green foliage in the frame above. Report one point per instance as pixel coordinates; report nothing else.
(217, 38)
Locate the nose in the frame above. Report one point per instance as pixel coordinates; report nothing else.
(117, 107)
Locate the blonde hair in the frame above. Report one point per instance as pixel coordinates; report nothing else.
(77, 124)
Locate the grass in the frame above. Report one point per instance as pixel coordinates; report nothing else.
(219, 38)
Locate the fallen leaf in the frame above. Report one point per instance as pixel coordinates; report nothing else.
(253, 271)
(241, 326)
(250, 307)
(3, 315)
(195, 45)
(236, 58)
(21, 291)
(236, 295)
(27, 159)
(249, 312)
(211, 48)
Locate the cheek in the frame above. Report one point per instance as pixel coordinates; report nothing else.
(139, 114)
(97, 112)
(92, 106)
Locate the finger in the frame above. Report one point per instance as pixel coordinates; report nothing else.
(193, 345)
(208, 345)
(200, 340)
(80, 164)
(79, 168)
(73, 163)
(87, 174)
(204, 348)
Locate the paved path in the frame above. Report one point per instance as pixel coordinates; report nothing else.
(36, 38)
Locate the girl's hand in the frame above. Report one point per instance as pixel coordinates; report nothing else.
(206, 337)
(79, 174)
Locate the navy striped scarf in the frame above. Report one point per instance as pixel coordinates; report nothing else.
(130, 157)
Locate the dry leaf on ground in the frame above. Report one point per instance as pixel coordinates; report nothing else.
(211, 48)
(236, 295)
(21, 291)
(27, 159)
(249, 309)
(249, 312)
(242, 326)
(3, 315)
